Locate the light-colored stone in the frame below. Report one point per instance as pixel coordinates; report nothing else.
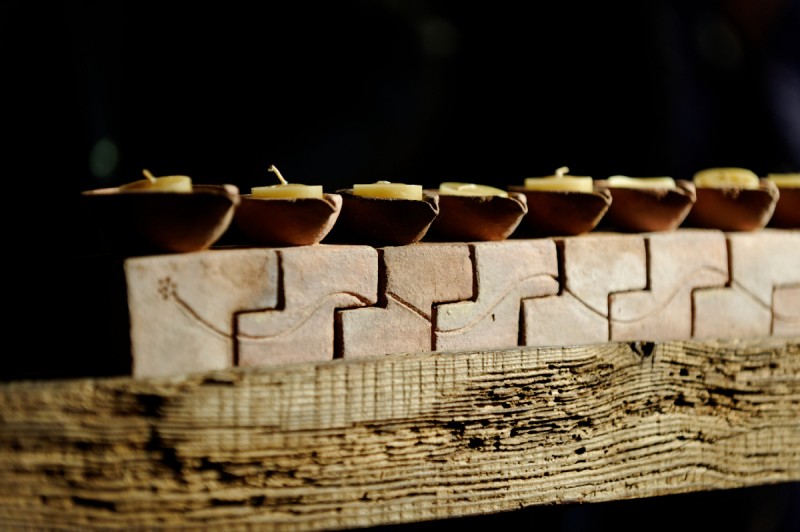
(758, 300)
(786, 311)
(181, 306)
(729, 313)
(596, 265)
(593, 266)
(764, 259)
(507, 273)
(678, 263)
(316, 281)
(561, 320)
(416, 277)
(212, 309)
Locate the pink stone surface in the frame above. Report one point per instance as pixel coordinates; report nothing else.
(181, 306)
(786, 311)
(211, 309)
(561, 320)
(764, 259)
(507, 273)
(729, 313)
(416, 277)
(760, 300)
(594, 266)
(315, 282)
(765, 266)
(679, 262)
(600, 264)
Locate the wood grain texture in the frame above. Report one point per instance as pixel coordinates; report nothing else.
(399, 439)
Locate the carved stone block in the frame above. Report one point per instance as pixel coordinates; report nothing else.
(593, 266)
(182, 306)
(679, 262)
(316, 281)
(415, 278)
(507, 274)
(760, 298)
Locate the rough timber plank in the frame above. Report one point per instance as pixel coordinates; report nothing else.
(381, 440)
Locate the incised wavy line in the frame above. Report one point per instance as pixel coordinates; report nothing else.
(680, 285)
(497, 302)
(307, 313)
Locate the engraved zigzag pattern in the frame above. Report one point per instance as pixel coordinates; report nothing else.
(536, 282)
(340, 299)
(680, 286)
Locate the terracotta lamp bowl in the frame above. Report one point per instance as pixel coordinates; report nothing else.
(178, 222)
(561, 212)
(383, 221)
(648, 209)
(734, 209)
(477, 218)
(286, 222)
(787, 210)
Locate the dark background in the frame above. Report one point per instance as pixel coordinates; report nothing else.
(349, 91)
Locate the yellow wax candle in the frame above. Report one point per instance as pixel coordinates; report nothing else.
(169, 183)
(726, 178)
(785, 180)
(285, 190)
(386, 189)
(450, 188)
(621, 181)
(560, 181)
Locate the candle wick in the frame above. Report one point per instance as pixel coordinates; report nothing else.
(277, 173)
(148, 175)
(561, 171)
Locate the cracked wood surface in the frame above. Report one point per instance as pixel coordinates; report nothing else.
(399, 439)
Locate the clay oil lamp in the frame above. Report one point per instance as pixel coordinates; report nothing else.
(561, 204)
(732, 199)
(286, 214)
(384, 214)
(787, 210)
(473, 212)
(161, 214)
(647, 204)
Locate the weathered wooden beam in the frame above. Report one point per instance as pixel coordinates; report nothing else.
(398, 439)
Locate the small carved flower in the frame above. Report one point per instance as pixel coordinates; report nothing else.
(167, 288)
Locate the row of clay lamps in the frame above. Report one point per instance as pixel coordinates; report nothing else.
(713, 177)
(361, 215)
